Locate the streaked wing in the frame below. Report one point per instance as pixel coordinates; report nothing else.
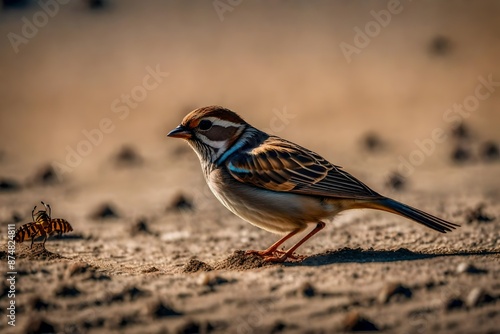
(280, 165)
(27, 231)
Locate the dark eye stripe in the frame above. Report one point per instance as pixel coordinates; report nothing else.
(220, 133)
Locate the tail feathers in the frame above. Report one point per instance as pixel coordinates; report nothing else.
(407, 211)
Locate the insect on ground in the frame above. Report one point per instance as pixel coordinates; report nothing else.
(43, 225)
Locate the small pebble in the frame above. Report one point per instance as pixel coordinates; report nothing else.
(128, 157)
(66, 291)
(461, 132)
(180, 203)
(38, 304)
(76, 268)
(461, 155)
(354, 322)
(394, 291)
(468, 268)
(307, 290)
(134, 293)
(46, 175)
(141, 227)
(7, 184)
(396, 181)
(490, 151)
(190, 327)
(454, 303)
(372, 142)
(440, 45)
(104, 211)
(278, 327)
(160, 309)
(478, 297)
(37, 326)
(212, 280)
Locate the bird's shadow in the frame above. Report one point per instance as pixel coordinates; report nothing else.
(359, 255)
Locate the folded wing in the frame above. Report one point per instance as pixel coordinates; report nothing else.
(280, 165)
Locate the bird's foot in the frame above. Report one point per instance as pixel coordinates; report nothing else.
(276, 256)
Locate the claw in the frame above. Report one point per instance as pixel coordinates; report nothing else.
(277, 256)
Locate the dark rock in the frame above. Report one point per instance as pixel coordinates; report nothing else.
(77, 268)
(96, 4)
(128, 157)
(195, 327)
(461, 155)
(307, 290)
(38, 304)
(440, 45)
(354, 322)
(469, 269)
(478, 215)
(278, 327)
(38, 326)
(180, 203)
(372, 143)
(161, 310)
(478, 297)
(394, 291)
(104, 211)
(46, 175)
(190, 327)
(212, 280)
(67, 291)
(134, 293)
(128, 294)
(9, 185)
(490, 151)
(141, 227)
(454, 304)
(4, 286)
(396, 181)
(461, 132)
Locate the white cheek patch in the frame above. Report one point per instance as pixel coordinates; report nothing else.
(217, 144)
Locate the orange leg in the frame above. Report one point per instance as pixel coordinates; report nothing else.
(270, 253)
(274, 247)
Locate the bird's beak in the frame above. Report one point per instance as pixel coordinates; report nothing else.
(180, 132)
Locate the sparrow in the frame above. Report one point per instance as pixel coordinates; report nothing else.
(278, 185)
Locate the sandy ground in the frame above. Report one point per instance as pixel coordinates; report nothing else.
(152, 250)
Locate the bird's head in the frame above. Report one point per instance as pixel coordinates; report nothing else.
(210, 131)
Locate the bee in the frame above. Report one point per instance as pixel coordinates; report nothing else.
(42, 226)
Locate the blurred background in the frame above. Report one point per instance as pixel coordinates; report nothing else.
(405, 95)
(357, 81)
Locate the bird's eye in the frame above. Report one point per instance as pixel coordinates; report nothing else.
(205, 125)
